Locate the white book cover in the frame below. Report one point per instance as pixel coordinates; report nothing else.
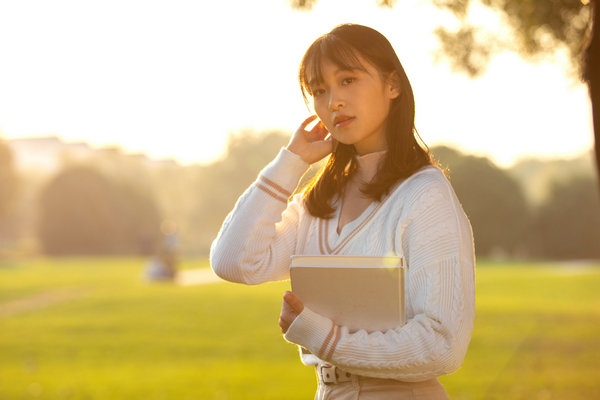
(358, 292)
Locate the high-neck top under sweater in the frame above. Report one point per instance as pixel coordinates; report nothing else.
(420, 219)
(354, 201)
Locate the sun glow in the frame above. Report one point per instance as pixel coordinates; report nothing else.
(172, 79)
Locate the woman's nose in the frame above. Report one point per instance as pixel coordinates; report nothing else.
(335, 101)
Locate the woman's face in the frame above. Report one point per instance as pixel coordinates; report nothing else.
(354, 105)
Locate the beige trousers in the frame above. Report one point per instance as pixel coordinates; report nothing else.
(365, 388)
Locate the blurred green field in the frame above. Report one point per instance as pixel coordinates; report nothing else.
(94, 329)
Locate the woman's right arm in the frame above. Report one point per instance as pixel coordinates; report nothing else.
(259, 236)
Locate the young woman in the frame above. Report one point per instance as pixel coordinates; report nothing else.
(378, 194)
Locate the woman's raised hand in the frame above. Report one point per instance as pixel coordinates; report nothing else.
(311, 145)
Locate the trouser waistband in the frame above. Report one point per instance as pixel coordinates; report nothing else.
(330, 374)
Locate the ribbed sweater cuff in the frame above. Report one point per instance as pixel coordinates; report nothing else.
(312, 331)
(285, 171)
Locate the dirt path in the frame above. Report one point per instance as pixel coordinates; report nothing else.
(45, 299)
(189, 277)
(39, 300)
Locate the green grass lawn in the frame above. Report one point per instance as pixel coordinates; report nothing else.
(114, 336)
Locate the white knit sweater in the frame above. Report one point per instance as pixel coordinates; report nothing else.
(421, 220)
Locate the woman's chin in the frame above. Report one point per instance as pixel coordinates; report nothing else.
(343, 140)
(346, 143)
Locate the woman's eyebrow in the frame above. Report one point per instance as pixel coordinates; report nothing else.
(355, 67)
(342, 70)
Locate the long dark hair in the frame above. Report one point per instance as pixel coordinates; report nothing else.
(405, 154)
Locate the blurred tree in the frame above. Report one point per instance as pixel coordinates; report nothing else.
(8, 179)
(83, 212)
(446, 156)
(536, 28)
(493, 201)
(307, 5)
(566, 226)
(9, 192)
(537, 177)
(218, 185)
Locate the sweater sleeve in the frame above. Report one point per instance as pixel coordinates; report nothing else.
(258, 237)
(438, 246)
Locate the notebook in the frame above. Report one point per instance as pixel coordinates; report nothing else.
(358, 292)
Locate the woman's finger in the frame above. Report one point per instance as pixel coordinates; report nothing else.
(307, 121)
(319, 131)
(294, 302)
(283, 325)
(285, 320)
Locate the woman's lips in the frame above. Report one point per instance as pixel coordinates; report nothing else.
(344, 122)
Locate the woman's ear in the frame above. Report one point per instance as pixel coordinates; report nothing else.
(393, 85)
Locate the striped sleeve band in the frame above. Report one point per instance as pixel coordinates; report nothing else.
(275, 187)
(270, 192)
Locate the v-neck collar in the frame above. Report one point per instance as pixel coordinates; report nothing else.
(350, 225)
(367, 166)
(330, 243)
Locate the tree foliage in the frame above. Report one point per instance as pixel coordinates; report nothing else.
(566, 225)
(536, 27)
(83, 212)
(538, 177)
(219, 185)
(307, 5)
(111, 208)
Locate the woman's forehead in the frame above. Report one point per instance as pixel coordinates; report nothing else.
(316, 67)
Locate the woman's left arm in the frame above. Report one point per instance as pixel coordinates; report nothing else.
(437, 242)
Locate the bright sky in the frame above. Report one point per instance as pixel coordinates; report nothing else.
(172, 78)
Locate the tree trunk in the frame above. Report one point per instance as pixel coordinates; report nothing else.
(592, 75)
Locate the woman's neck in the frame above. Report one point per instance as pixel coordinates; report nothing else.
(368, 165)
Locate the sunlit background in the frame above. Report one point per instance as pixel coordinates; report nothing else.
(172, 79)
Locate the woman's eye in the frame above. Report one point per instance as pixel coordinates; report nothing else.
(317, 92)
(347, 81)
